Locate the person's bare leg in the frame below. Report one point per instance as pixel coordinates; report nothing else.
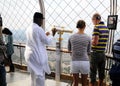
(92, 84)
(84, 79)
(75, 79)
(100, 82)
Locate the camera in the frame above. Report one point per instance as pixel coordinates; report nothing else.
(112, 22)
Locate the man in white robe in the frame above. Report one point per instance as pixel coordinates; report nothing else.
(35, 51)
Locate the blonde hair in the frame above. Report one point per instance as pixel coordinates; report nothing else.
(96, 16)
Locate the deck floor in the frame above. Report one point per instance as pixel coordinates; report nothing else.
(22, 78)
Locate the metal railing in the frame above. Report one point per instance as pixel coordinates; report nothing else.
(18, 57)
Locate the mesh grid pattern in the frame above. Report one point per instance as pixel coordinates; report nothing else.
(67, 12)
(117, 33)
(17, 14)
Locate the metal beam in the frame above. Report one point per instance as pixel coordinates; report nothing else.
(113, 11)
(42, 10)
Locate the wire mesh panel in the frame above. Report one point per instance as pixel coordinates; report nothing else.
(17, 16)
(117, 33)
(18, 56)
(66, 13)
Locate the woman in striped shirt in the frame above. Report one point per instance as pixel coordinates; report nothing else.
(79, 44)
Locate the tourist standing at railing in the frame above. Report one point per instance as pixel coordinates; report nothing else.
(2, 52)
(99, 41)
(80, 46)
(35, 52)
(9, 45)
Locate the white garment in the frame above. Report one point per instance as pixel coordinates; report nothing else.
(35, 51)
(37, 80)
(82, 67)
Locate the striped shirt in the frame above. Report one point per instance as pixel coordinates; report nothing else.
(102, 31)
(80, 45)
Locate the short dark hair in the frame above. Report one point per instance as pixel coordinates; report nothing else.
(38, 18)
(6, 31)
(80, 24)
(38, 15)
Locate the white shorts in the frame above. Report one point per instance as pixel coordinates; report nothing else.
(82, 67)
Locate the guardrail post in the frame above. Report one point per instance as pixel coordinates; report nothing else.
(58, 64)
(20, 54)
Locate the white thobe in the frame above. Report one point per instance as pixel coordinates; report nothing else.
(35, 51)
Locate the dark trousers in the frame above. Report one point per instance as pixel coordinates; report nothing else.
(116, 83)
(2, 76)
(11, 65)
(97, 63)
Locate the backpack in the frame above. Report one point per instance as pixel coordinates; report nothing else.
(116, 49)
(115, 69)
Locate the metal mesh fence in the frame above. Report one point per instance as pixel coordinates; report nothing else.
(117, 33)
(66, 13)
(17, 15)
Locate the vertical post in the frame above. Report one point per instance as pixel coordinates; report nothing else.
(58, 61)
(113, 11)
(1, 23)
(42, 10)
(20, 54)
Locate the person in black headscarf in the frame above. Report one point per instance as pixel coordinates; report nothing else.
(9, 46)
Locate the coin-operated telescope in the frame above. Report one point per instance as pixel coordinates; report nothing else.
(60, 31)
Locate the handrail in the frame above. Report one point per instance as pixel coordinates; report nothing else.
(64, 50)
(49, 48)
